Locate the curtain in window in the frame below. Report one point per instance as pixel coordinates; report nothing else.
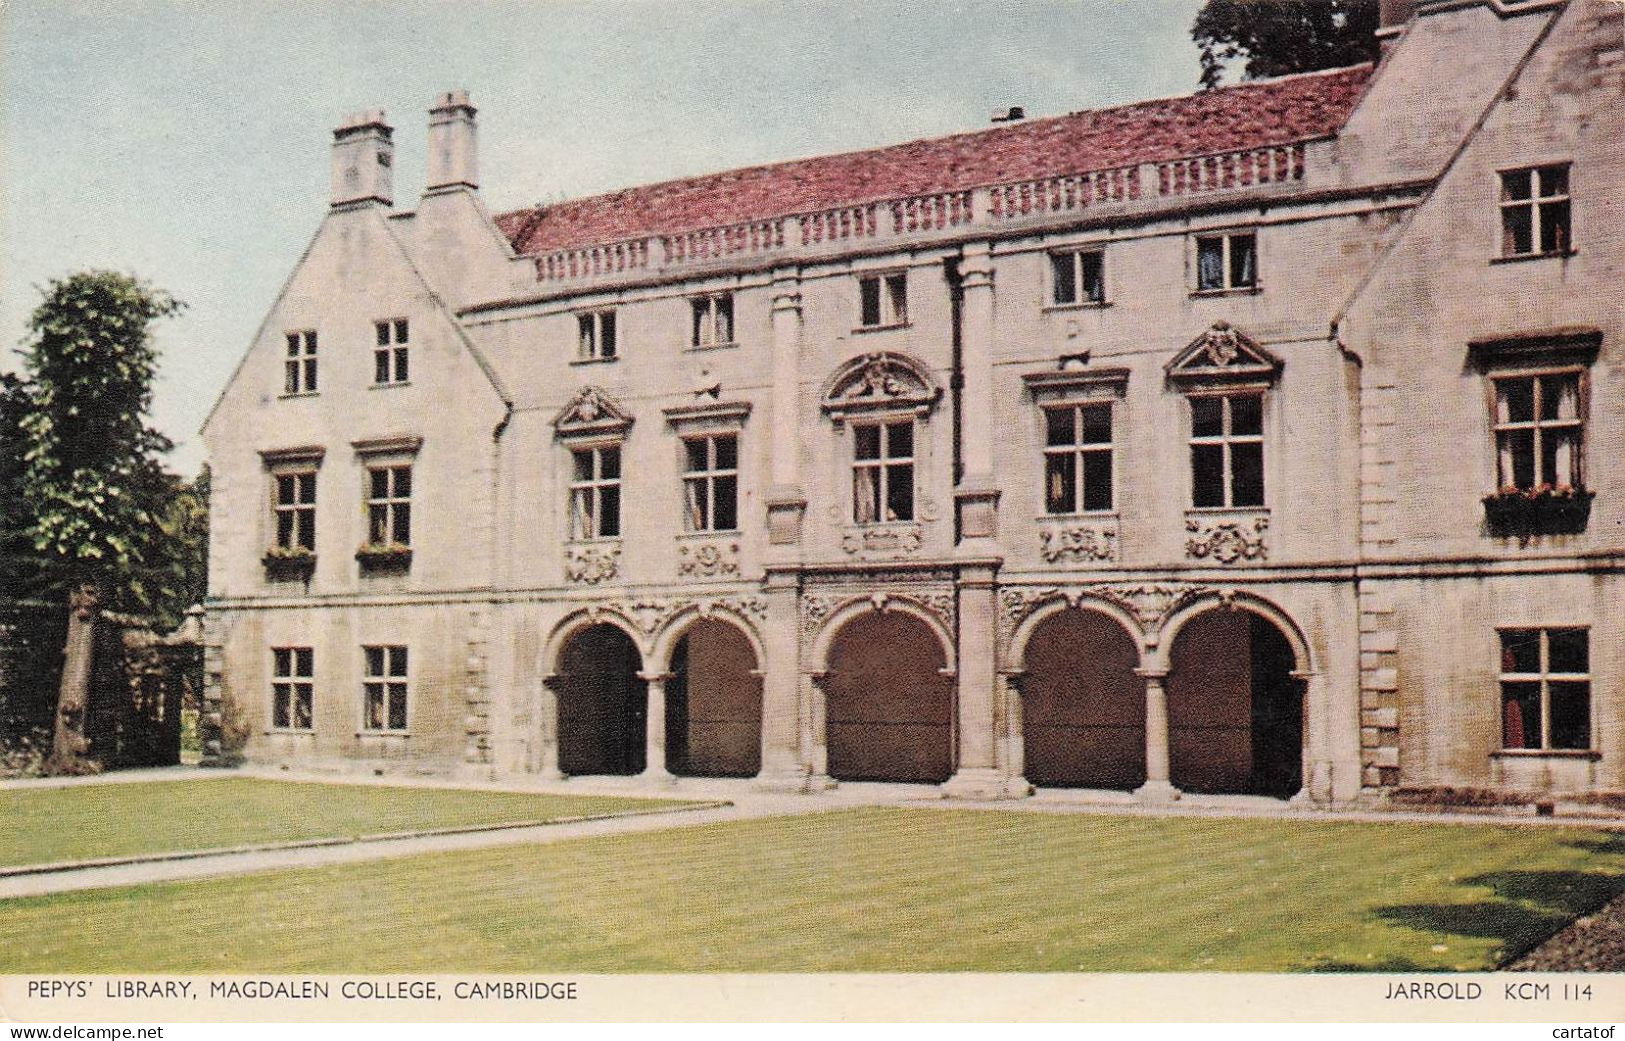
(1245, 268)
(694, 494)
(581, 514)
(1210, 268)
(866, 496)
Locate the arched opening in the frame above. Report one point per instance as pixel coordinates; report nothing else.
(1235, 711)
(889, 710)
(602, 703)
(1082, 706)
(713, 704)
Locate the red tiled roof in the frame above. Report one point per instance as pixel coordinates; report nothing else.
(1247, 115)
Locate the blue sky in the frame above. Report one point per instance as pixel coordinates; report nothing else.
(188, 141)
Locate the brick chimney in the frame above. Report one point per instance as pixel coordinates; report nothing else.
(363, 157)
(453, 155)
(1393, 14)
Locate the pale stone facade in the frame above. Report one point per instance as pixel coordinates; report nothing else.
(882, 491)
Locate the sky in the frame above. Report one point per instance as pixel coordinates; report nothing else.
(188, 142)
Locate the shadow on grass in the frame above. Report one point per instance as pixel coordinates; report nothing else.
(1385, 965)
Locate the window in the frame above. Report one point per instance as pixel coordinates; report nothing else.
(1078, 277)
(713, 320)
(883, 300)
(711, 483)
(1078, 458)
(1538, 431)
(295, 510)
(1226, 262)
(389, 505)
(299, 370)
(595, 492)
(1535, 211)
(292, 689)
(1227, 450)
(389, 358)
(883, 472)
(384, 688)
(595, 336)
(1545, 689)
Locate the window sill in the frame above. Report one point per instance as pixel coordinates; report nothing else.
(1547, 753)
(597, 540)
(1252, 290)
(301, 394)
(400, 735)
(1086, 515)
(1516, 258)
(711, 533)
(595, 361)
(1082, 305)
(887, 328)
(883, 525)
(697, 347)
(287, 732)
(1220, 511)
(389, 386)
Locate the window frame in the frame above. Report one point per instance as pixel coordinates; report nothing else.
(1535, 205)
(1227, 262)
(299, 364)
(296, 684)
(387, 683)
(594, 486)
(392, 503)
(891, 300)
(590, 337)
(708, 479)
(705, 311)
(1228, 439)
(1545, 677)
(392, 348)
(1536, 425)
(1076, 254)
(299, 510)
(885, 463)
(1077, 450)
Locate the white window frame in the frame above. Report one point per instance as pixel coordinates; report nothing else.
(1500, 429)
(386, 684)
(299, 366)
(1228, 439)
(302, 513)
(1076, 255)
(891, 299)
(1545, 678)
(702, 484)
(885, 463)
(592, 343)
(1075, 453)
(391, 350)
(391, 503)
(293, 680)
(713, 321)
(1534, 207)
(591, 491)
(1227, 261)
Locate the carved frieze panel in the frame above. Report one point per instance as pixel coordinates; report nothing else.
(1147, 603)
(591, 565)
(818, 608)
(1077, 543)
(892, 541)
(708, 559)
(1227, 541)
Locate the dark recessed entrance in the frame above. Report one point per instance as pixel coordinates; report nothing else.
(888, 708)
(1082, 706)
(714, 704)
(1235, 712)
(601, 704)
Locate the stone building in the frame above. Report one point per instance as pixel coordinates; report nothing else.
(1262, 441)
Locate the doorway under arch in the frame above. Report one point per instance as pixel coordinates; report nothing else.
(1235, 709)
(714, 703)
(1082, 706)
(602, 703)
(889, 709)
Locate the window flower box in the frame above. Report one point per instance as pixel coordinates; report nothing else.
(289, 562)
(385, 556)
(1541, 510)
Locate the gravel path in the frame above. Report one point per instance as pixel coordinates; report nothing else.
(1595, 943)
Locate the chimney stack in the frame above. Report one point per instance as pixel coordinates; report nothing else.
(453, 159)
(1393, 14)
(363, 157)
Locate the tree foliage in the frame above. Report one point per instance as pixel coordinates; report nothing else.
(1277, 37)
(91, 482)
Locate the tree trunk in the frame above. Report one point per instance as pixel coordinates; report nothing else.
(69, 746)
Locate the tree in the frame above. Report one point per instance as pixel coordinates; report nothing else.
(91, 479)
(1278, 37)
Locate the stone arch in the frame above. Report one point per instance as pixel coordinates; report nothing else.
(586, 618)
(712, 662)
(677, 626)
(1304, 663)
(880, 603)
(1060, 602)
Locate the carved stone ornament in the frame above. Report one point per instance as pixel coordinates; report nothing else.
(590, 565)
(883, 381)
(1077, 542)
(1148, 603)
(708, 560)
(1227, 542)
(1223, 352)
(591, 411)
(816, 608)
(892, 541)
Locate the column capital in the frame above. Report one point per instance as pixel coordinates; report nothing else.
(1151, 674)
(655, 677)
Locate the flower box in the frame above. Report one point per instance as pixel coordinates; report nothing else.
(390, 556)
(284, 563)
(1538, 511)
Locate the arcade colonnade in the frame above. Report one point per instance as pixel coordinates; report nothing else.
(1213, 691)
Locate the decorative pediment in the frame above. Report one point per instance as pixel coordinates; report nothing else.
(591, 411)
(1223, 353)
(881, 382)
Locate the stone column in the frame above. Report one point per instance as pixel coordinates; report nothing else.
(978, 775)
(784, 765)
(977, 495)
(1156, 787)
(815, 733)
(654, 729)
(1013, 756)
(786, 501)
(547, 729)
(1317, 758)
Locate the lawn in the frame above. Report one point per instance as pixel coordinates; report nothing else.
(43, 825)
(868, 890)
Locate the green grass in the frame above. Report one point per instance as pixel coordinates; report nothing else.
(44, 825)
(868, 890)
